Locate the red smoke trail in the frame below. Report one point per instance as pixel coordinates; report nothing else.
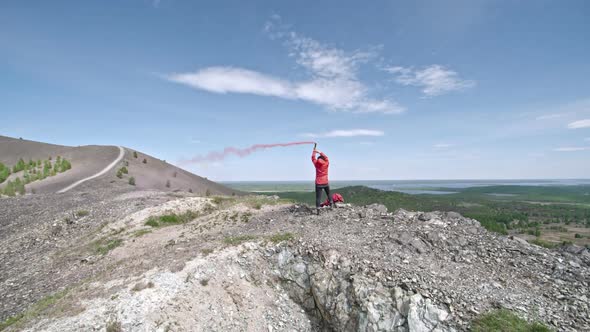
(220, 155)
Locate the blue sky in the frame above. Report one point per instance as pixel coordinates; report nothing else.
(389, 89)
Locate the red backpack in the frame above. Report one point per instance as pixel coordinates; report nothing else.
(336, 198)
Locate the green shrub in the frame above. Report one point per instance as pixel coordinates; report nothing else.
(167, 183)
(132, 181)
(102, 247)
(144, 161)
(134, 154)
(578, 236)
(152, 222)
(503, 320)
(119, 174)
(124, 170)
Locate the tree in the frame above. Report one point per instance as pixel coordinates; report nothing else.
(65, 165)
(20, 165)
(4, 172)
(19, 187)
(207, 193)
(9, 189)
(132, 181)
(134, 154)
(144, 161)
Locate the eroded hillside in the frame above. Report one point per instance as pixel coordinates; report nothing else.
(147, 260)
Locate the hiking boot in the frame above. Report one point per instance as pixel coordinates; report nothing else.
(317, 211)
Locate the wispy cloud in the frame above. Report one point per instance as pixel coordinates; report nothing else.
(238, 80)
(442, 145)
(333, 82)
(434, 80)
(572, 148)
(346, 133)
(551, 116)
(585, 123)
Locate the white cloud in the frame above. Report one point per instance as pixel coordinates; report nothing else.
(346, 133)
(442, 145)
(333, 81)
(434, 80)
(551, 116)
(338, 95)
(585, 123)
(238, 80)
(572, 149)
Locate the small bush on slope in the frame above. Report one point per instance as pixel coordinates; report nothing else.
(503, 320)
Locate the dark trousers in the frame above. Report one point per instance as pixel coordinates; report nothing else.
(318, 194)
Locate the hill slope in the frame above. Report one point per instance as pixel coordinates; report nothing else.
(87, 161)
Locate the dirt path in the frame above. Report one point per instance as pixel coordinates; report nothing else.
(106, 169)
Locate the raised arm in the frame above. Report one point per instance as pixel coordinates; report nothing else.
(313, 159)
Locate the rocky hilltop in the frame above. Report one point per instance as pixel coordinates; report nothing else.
(154, 261)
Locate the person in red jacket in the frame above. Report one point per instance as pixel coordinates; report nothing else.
(321, 178)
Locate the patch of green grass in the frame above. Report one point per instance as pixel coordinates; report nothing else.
(503, 320)
(152, 221)
(103, 246)
(34, 310)
(235, 240)
(141, 232)
(171, 219)
(280, 237)
(10, 321)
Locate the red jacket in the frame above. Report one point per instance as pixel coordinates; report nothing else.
(321, 168)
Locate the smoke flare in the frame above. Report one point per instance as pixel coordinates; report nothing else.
(221, 155)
